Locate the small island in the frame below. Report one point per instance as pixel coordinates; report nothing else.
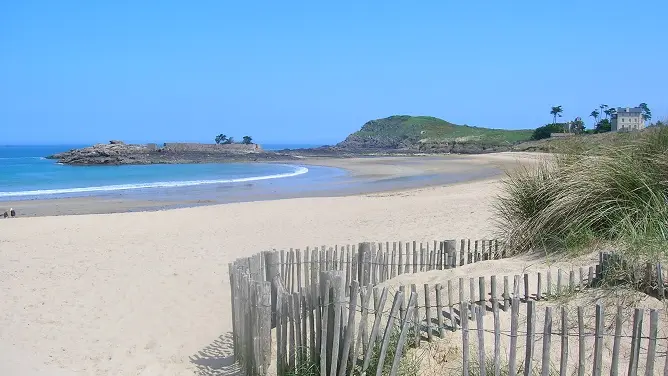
(119, 153)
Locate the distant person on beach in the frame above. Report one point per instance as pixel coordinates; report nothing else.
(12, 212)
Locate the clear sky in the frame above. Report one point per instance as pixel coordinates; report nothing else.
(314, 71)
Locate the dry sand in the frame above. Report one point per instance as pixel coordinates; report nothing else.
(141, 293)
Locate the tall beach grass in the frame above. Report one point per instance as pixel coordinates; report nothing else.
(578, 198)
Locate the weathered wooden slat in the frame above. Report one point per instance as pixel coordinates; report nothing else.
(400, 266)
(514, 323)
(398, 298)
(415, 257)
(360, 342)
(412, 302)
(539, 287)
(506, 294)
(472, 298)
(451, 310)
(416, 318)
(494, 298)
(651, 348)
(339, 296)
(563, 363)
(350, 330)
(325, 323)
(482, 295)
(296, 309)
(635, 341)
(465, 344)
(614, 364)
(581, 342)
(547, 342)
(480, 328)
(531, 334)
(526, 287)
(439, 310)
(598, 341)
(374, 330)
(427, 308)
(497, 342)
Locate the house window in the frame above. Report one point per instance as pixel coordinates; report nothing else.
(623, 120)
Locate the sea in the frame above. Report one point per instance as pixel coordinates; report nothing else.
(25, 174)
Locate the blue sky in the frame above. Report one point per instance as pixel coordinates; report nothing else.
(314, 71)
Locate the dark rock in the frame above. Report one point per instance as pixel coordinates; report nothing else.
(127, 154)
(116, 142)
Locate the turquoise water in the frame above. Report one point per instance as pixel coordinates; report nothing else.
(25, 173)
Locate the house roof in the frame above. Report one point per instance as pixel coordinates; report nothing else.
(631, 110)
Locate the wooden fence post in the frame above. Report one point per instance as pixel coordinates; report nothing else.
(481, 339)
(398, 297)
(531, 334)
(402, 336)
(514, 322)
(598, 341)
(635, 341)
(547, 342)
(563, 363)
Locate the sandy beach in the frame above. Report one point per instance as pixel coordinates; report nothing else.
(142, 293)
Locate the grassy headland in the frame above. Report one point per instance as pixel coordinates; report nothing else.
(427, 133)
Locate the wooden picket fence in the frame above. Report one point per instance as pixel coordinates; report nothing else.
(281, 289)
(318, 308)
(649, 277)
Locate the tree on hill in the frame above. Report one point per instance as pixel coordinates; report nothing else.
(221, 138)
(603, 126)
(609, 112)
(230, 140)
(247, 140)
(546, 130)
(577, 126)
(595, 115)
(646, 113)
(556, 111)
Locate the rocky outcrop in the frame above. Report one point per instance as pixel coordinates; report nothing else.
(119, 153)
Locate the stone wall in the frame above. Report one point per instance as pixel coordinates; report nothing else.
(192, 146)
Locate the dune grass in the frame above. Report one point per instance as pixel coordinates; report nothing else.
(577, 199)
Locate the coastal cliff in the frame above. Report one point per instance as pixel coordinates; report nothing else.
(119, 153)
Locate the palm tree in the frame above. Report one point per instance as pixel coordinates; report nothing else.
(595, 114)
(556, 111)
(247, 140)
(602, 107)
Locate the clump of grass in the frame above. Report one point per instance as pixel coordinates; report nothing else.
(408, 366)
(618, 196)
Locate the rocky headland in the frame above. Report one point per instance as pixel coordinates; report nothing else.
(394, 135)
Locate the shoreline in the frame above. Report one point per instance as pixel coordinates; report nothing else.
(148, 292)
(363, 175)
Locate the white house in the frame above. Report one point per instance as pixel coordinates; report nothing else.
(628, 119)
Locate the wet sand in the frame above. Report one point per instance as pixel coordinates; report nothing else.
(363, 176)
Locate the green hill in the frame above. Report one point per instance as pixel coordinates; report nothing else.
(428, 133)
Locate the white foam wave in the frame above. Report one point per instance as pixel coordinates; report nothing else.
(162, 184)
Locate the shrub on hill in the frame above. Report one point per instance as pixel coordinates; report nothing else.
(546, 130)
